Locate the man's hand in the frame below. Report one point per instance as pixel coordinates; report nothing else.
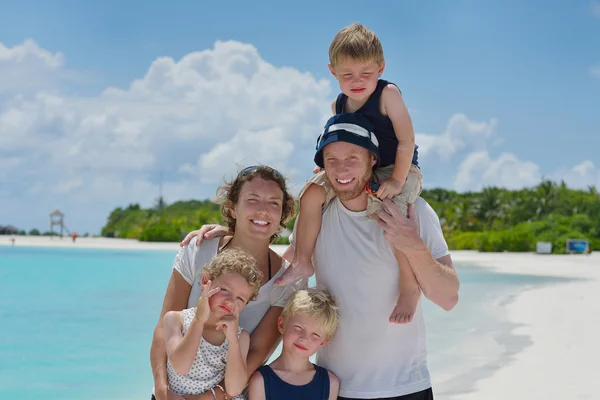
(208, 232)
(230, 323)
(202, 307)
(389, 188)
(401, 232)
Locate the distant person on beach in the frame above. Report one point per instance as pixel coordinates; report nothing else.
(308, 321)
(355, 261)
(356, 60)
(255, 206)
(205, 344)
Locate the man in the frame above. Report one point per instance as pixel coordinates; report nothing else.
(354, 259)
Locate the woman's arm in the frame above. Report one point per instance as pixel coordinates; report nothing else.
(264, 340)
(176, 299)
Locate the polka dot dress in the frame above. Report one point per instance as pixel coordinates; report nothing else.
(208, 368)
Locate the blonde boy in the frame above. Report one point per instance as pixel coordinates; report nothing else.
(357, 62)
(308, 321)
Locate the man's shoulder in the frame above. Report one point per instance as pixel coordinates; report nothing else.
(422, 206)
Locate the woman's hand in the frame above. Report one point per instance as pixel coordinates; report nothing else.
(209, 231)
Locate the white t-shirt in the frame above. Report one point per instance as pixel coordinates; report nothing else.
(190, 262)
(372, 357)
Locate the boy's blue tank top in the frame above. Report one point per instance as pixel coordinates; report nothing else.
(277, 389)
(384, 129)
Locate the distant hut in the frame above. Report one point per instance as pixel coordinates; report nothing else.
(57, 218)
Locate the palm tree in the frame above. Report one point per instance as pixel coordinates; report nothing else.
(489, 206)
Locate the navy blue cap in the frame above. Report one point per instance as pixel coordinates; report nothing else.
(347, 127)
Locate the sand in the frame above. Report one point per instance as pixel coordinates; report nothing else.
(561, 320)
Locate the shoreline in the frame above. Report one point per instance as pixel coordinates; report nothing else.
(546, 340)
(546, 351)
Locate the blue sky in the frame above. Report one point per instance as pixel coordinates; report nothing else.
(501, 93)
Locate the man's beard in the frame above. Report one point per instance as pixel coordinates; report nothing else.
(353, 192)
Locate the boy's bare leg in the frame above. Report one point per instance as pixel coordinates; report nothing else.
(309, 226)
(409, 292)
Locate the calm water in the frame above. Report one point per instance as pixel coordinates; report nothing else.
(77, 324)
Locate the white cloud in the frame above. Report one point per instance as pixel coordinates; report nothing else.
(580, 176)
(193, 119)
(478, 169)
(595, 71)
(460, 134)
(196, 119)
(27, 66)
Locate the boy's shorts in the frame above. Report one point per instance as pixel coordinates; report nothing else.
(410, 191)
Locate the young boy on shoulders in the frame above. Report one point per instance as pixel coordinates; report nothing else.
(357, 62)
(307, 322)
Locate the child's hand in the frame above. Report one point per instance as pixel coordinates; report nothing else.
(229, 323)
(389, 188)
(316, 169)
(202, 307)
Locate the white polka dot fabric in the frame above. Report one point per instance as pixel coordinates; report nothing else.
(208, 368)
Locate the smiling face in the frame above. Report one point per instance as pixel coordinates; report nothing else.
(357, 79)
(348, 168)
(302, 335)
(259, 207)
(232, 298)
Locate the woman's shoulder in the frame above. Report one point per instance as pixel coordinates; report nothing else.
(192, 257)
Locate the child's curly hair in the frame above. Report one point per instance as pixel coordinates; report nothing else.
(228, 195)
(236, 261)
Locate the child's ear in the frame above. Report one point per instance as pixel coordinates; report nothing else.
(331, 70)
(280, 324)
(381, 69)
(325, 342)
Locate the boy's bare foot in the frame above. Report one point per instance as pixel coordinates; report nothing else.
(295, 272)
(405, 306)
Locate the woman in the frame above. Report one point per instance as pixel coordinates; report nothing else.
(255, 207)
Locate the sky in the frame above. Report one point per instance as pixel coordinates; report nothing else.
(101, 102)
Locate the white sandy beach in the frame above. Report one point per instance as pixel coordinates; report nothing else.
(562, 320)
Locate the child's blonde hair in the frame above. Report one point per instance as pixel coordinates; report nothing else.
(356, 42)
(239, 262)
(314, 303)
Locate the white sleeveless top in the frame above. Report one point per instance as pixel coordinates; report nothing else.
(208, 368)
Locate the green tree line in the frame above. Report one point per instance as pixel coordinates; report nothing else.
(493, 219)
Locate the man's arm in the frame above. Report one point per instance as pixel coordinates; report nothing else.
(436, 277)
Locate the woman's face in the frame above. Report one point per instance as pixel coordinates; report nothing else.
(259, 208)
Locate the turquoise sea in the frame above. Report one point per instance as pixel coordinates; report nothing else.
(77, 324)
